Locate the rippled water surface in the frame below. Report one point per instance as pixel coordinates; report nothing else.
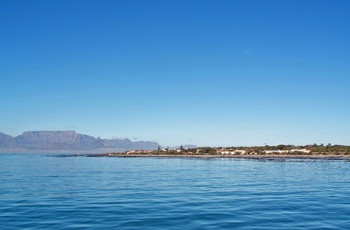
(45, 191)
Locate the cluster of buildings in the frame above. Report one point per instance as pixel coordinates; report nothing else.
(139, 151)
(232, 152)
(287, 151)
(242, 152)
(222, 151)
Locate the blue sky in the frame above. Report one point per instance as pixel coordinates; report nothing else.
(210, 73)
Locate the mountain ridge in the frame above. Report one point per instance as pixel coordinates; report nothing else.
(68, 141)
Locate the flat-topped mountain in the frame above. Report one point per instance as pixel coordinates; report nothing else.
(58, 141)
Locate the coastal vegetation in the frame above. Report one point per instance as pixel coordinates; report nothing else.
(307, 150)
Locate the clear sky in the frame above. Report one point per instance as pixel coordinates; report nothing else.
(205, 72)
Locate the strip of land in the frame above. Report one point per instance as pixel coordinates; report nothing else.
(207, 156)
(280, 152)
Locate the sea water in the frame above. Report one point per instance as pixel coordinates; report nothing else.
(43, 191)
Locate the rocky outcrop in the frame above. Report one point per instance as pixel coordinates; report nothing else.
(68, 140)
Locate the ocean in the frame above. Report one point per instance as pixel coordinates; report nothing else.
(46, 191)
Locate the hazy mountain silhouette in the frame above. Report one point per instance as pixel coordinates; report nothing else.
(65, 141)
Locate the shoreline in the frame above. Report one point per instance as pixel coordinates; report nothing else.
(254, 157)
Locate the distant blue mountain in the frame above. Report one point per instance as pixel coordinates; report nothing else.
(63, 141)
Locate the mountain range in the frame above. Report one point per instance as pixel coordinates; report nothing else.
(68, 141)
